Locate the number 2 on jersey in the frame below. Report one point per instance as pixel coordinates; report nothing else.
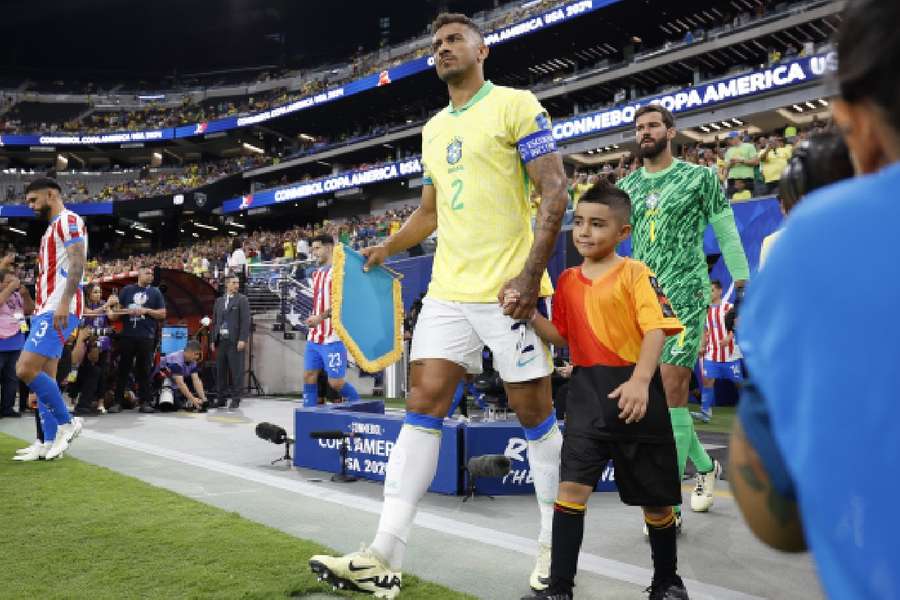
(455, 202)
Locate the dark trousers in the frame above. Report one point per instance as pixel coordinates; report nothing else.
(135, 355)
(23, 397)
(229, 360)
(91, 381)
(9, 383)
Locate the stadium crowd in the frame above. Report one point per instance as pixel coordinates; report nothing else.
(153, 115)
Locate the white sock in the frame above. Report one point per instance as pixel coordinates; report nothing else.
(543, 457)
(410, 470)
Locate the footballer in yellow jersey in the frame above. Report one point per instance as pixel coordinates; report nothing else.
(483, 155)
(474, 156)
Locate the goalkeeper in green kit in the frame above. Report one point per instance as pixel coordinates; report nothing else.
(672, 203)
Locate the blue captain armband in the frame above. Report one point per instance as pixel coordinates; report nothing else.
(537, 144)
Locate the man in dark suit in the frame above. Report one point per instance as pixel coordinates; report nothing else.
(230, 336)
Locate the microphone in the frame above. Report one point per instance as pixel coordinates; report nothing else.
(329, 435)
(272, 433)
(488, 465)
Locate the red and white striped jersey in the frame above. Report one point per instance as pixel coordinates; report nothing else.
(53, 263)
(716, 348)
(323, 333)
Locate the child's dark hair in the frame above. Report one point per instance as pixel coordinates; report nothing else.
(716, 283)
(617, 199)
(192, 346)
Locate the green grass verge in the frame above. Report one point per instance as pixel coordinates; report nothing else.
(74, 530)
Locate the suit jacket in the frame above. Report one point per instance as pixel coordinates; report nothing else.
(236, 317)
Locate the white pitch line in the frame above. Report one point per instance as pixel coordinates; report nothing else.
(593, 563)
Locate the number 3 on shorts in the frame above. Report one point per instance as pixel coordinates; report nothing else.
(455, 202)
(42, 330)
(334, 360)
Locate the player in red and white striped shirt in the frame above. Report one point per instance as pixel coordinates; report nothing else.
(722, 359)
(59, 303)
(324, 349)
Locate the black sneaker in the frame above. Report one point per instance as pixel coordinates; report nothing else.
(146, 408)
(668, 589)
(10, 414)
(115, 408)
(551, 593)
(86, 411)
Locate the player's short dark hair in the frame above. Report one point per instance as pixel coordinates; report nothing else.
(868, 52)
(324, 239)
(43, 183)
(447, 18)
(192, 346)
(667, 116)
(716, 283)
(604, 192)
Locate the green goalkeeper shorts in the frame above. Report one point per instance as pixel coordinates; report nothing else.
(683, 349)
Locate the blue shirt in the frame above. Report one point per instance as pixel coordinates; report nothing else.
(820, 335)
(177, 364)
(133, 296)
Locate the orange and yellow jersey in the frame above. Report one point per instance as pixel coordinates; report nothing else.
(605, 320)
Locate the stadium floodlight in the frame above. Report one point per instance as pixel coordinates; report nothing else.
(120, 232)
(19, 231)
(704, 129)
(204, 226)
(798, 108)
(823, 101)
(737, 122)
(195, 234)
(810, 104)
(236, 224)
(714, 126)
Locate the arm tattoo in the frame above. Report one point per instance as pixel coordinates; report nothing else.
(76, 269)
(783, 510)
(548, 174)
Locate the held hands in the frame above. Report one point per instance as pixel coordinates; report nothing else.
(633, 397)
(509, 300)
(518, 297)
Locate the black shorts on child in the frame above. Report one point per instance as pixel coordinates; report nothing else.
(643, 453)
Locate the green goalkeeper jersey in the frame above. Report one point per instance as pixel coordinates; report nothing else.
(670, 210)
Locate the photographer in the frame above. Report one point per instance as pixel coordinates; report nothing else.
(15, 303)
(145, 306)
(94, 334)
(808, 470)
(175, 368)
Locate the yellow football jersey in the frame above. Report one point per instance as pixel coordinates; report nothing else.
(475, 157)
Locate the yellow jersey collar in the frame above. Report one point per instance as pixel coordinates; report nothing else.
(481, 93)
